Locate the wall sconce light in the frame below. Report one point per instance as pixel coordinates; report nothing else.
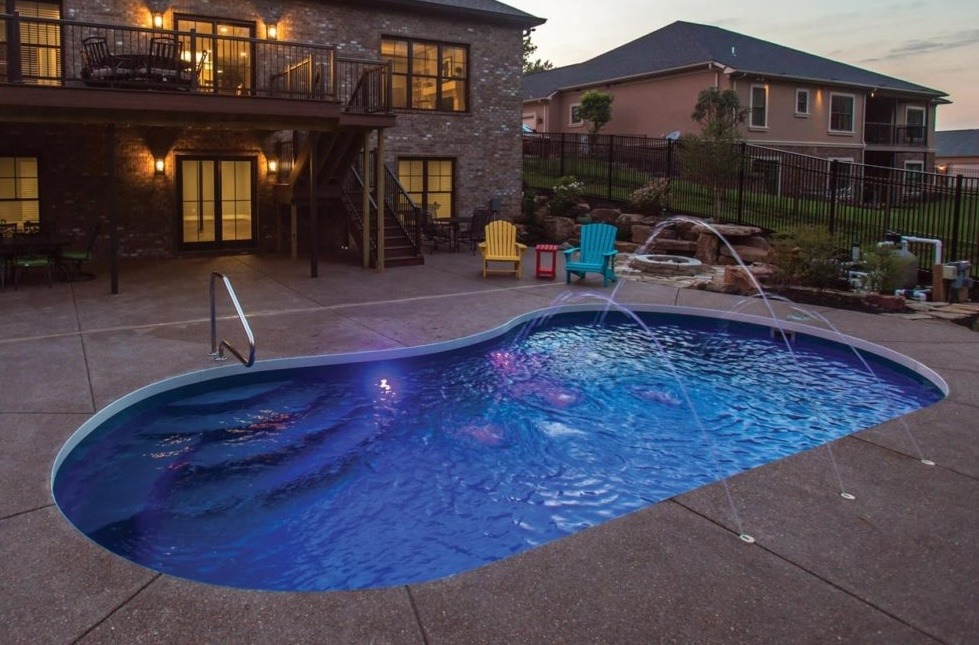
(158, 21)
(273, 166)
(159, 165)
(272, 30)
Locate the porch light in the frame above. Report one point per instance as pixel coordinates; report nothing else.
(158, 21)
(273, 166)
(159, 165)
(272, 30)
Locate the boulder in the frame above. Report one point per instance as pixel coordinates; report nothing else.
(748, 254)
(607, 215)
(728, 230)
(558, 230)
(707, 247)
(674, 247)
(624, 223)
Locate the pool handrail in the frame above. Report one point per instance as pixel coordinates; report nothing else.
(217, 350)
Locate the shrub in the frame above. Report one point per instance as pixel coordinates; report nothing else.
(807, 256)
(567, 195)
(650, 199)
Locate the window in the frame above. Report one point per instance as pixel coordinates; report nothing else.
(216, 202)
(429, 183)
(19, 190)
(841, 108)
(40, 43)
(428, 75)
(913, 177)
(841, 177)
(802, 102)
(759, 106)
(575, 115)
(228, 63)
(915, 119)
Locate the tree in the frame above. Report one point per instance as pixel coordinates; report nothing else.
(533, 66)
(596, 109)
(714, 156)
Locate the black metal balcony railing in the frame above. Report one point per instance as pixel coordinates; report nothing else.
(66, 53)
(889, 134)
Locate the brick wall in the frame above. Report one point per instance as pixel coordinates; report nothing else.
(484, 142)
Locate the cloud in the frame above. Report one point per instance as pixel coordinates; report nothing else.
(917, 47)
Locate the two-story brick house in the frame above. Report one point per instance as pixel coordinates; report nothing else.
(796, 101)
(223, 126)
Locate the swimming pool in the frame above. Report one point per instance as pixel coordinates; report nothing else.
(384, 468)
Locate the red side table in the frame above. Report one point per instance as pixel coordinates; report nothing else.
(544, 250)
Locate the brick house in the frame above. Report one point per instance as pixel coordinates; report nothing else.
(796, 101)
(219, 126)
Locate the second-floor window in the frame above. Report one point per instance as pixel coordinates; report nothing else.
(759, 107)
(40, 43)
(915, 120)
(428, 75)
(841, 111)
(802, 102)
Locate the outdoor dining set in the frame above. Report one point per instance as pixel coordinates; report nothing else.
(31, 247)
(165, 65)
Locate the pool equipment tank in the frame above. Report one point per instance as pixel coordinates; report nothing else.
(908, 263)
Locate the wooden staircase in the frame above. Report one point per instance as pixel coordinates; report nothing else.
(339, 194)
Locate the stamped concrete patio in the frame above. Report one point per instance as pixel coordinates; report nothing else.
(900, 563)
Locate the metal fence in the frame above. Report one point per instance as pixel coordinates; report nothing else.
(770, 188)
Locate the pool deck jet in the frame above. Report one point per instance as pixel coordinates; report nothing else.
(898, 563)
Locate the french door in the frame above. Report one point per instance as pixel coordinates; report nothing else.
(217, 203)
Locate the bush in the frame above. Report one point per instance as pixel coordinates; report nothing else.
(650, 199)
(807, 256)
(567, 195)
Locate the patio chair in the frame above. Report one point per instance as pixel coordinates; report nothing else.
(433, 231)
(70, 261)
(501, 245)
(29, 258)
(596, 253)
(475, 232)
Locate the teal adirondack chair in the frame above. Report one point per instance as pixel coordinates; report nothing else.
(595, 255)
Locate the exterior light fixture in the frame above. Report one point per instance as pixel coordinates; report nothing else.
(159, 165)
(272, 31)
(273, 166)
(158, 21)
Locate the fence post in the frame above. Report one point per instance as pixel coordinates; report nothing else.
(669, 159)
(833, 180)
(956, 219)
(611, 156)
(741, 157)
(561, 162)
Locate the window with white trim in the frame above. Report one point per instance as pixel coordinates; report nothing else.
(19, 201)
(842, 108)
(759, 106)
(574, 115)
(914, 176)
(914, 118)
(802, 102)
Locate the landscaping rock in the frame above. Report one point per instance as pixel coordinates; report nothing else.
(606, 215)
(558, 230)
(748, 254)
(624, 223)
(728, 230)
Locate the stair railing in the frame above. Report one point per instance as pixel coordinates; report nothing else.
(217, 350)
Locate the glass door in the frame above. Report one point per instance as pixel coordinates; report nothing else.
(216, 203)
(226, 50)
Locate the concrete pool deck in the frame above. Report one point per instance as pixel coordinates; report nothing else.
(900, 563)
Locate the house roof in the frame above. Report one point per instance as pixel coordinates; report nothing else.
(957, 143)
(489, 10)
(685, 44)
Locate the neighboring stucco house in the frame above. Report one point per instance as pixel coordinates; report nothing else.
(796, 101)
(219, 126)
(958, 152)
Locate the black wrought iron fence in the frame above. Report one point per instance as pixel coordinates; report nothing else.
(769, 188)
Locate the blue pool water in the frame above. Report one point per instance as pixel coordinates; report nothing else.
(400, 469)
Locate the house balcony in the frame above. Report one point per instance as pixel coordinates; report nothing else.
(71, 71)
(889, 134)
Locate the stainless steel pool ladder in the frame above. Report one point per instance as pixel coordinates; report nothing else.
(217, 350)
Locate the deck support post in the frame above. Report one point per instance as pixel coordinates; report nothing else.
(379, 174)
(365, 242)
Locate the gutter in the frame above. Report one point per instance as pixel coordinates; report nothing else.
(933, 94)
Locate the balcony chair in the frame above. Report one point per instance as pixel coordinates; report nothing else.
(596, 253)
(102, 67)
(27, 256)
(163, 64)
(501, 245)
